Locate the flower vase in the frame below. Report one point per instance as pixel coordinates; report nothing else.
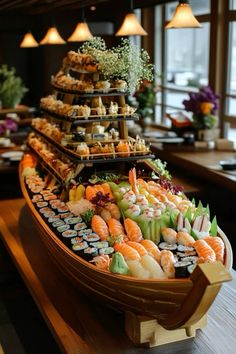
(208, 134)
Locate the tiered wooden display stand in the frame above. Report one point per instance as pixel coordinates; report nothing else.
(156, 312)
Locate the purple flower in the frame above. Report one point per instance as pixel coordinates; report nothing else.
(8, 124)
(205, 94)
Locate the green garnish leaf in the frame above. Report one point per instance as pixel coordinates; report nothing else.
(88, 216)
(213, 229)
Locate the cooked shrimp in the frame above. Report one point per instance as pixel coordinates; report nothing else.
(133, 231)
(217, 244)
(102, 262)
(169, 235)
(204, 251)
(138, 247)
(100, 227)
(152, 249)
(128, 252)
(114, 210)
(133, 181)
(167, 263)
(183, 238)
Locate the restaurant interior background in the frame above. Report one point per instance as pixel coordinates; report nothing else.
(185, 59)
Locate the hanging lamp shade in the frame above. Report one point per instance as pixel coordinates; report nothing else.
(28, 41)
(81, 33)
(183, 17)
(131, 26)
(52, 37)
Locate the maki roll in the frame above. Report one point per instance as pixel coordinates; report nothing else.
(63, 228)
(181, 269)
(63, 209)
(89, 253)
(91, 237)
(66, 215)
(192, 259)
(50, 197)
(106, 250)
(80, 226)
(76, 240)
(185, 254)
(42, 204)
(84, 232)
(74, 220)
(36, 198)
(69, 233)
(167, 246)
(58, 223)
(99, 244)
(44, 210)
(191, 268)
(186, 249)
(49, 214)
(53, 219)
(80, 247)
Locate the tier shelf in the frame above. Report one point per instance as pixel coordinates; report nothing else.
(96, 93)
(94, 158)
(93, 118)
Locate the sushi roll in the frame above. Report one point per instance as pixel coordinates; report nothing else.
(85, 232)
(66, 215)
(80, 226)
(191, 268)
(99, 244)
(106, 250)
(89, 253)
(45, 210)
(62, 209)
(76, 240)
(42, 204)
(181, 269)
(63, 228)
(50, 197)
(80, 247)
(185, 254)
(58, 223)
(69, 233)
(45, 192)
(49, 214)
(91, 237)
(192, 259)
(53, 219)
(167, 246)
(74, 220)
(182, 248)
(37, 198)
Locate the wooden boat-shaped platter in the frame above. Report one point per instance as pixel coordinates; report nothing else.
(175, 303)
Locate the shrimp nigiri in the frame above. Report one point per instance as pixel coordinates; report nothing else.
(138, 247)
(133, 231)
(169, 235)
(152, 249)
(100, 227)
(204, 251)
(167, 263)
(217, 244)
(183, 238)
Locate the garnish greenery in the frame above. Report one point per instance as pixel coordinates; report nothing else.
(126, 61)
(160, 168)
(105, 177)
(88, 216)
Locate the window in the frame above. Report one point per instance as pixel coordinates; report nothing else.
(184, 64)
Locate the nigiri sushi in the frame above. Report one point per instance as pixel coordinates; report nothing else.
(167, 263)
(204, 251)
(133, 231)
(217, 245)
(149, 263)
(183, 238)
(152, 249)
(99, 227)
(169, 235)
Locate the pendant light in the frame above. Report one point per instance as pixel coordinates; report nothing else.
(183, 17)
(28, 41)
(52, 37)
(81, 32)
(131, 25)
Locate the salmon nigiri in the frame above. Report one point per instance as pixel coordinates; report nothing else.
(167, 263)
(217, 244)
(204, 251)
(90, 192)
(152, 249)
(133, 231)
(115, 227)
(138, 247)
(100, 227)
(127, 251)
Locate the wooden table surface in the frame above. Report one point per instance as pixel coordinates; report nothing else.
(81, 326)
(204, 165)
